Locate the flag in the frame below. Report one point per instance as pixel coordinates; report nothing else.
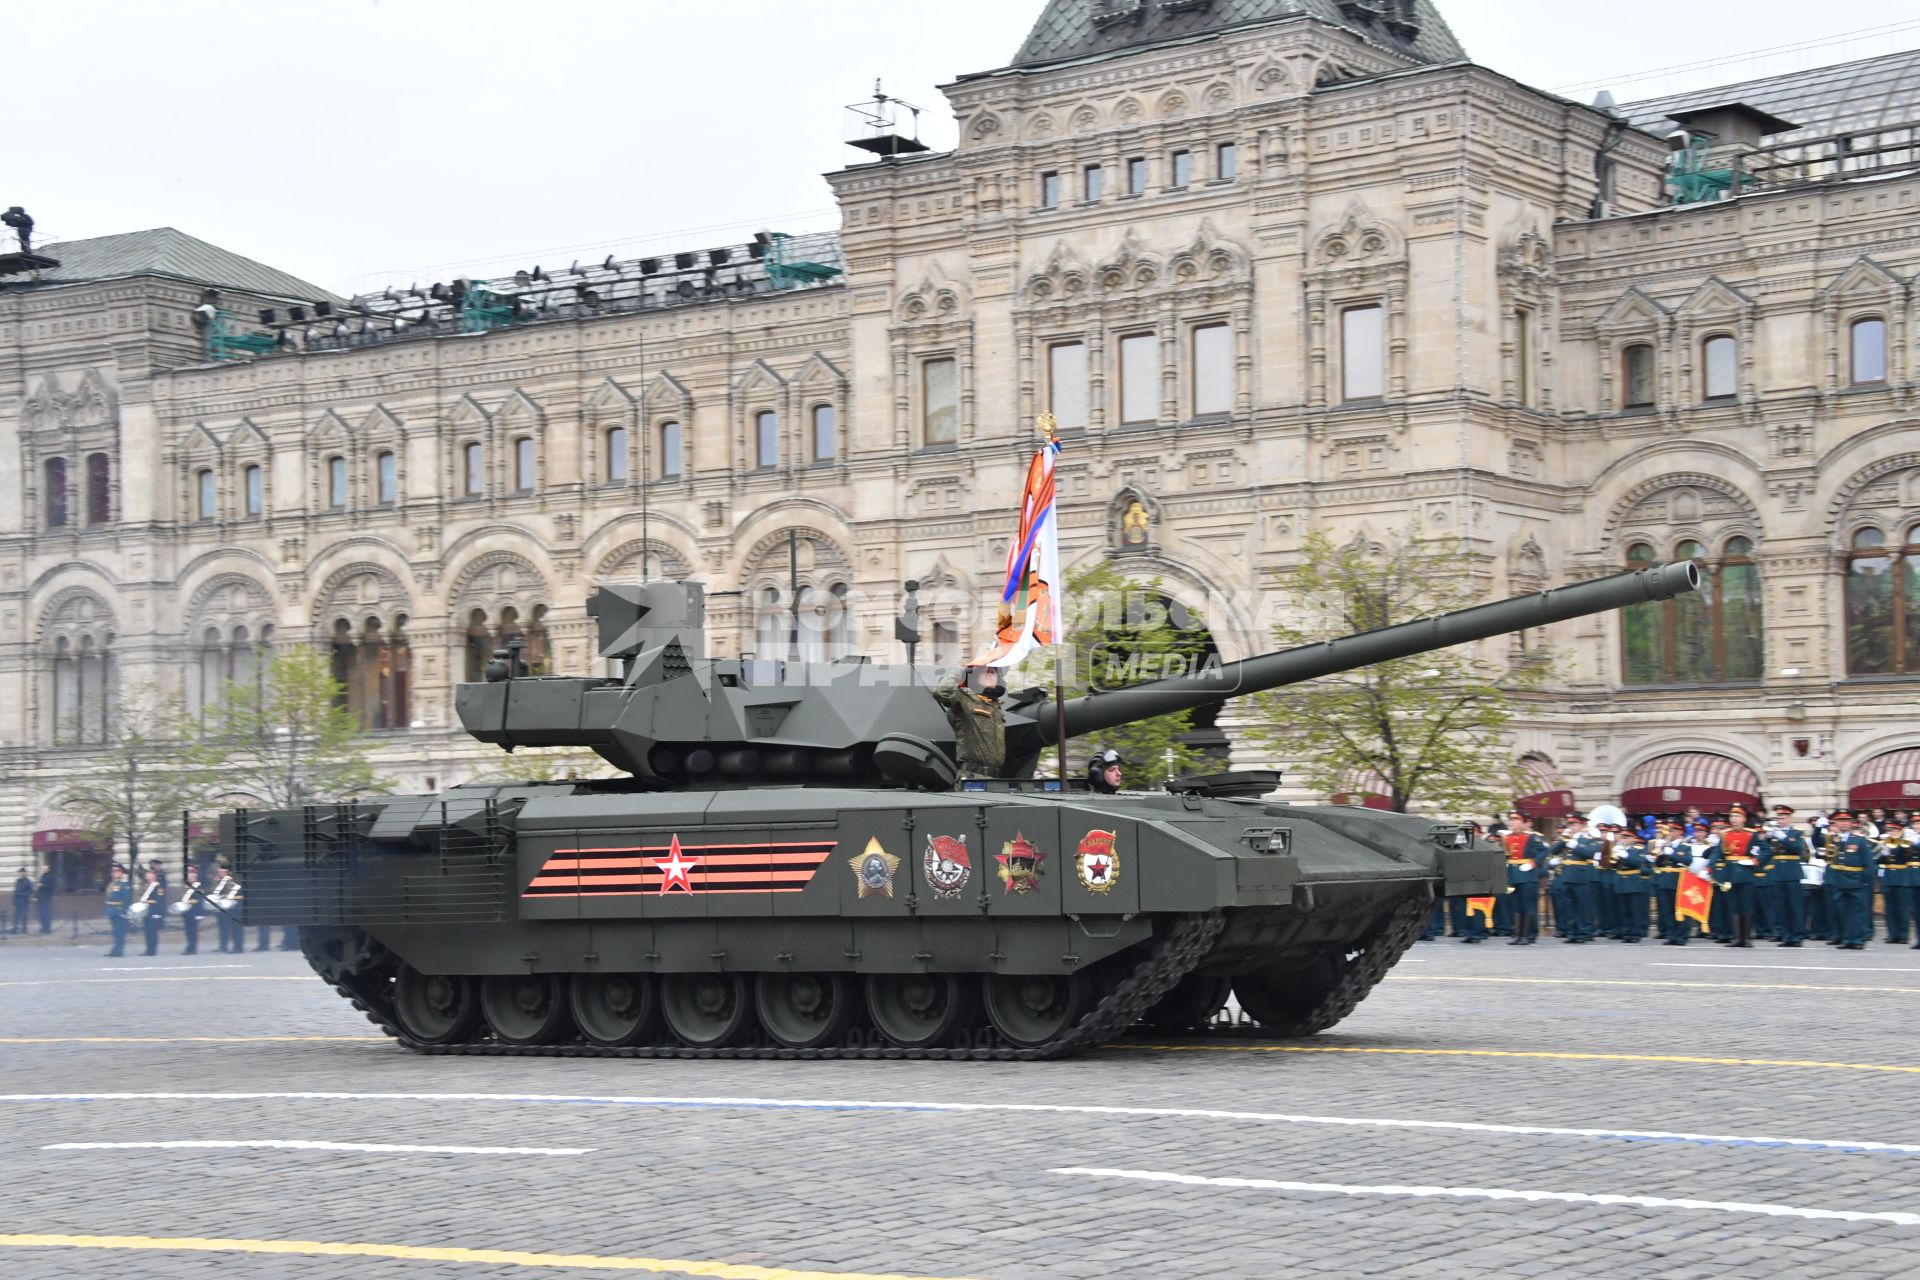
(1030, 601)
(1694, 899)
(1484, 906)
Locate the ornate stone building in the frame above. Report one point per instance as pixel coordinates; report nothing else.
(1276, 265)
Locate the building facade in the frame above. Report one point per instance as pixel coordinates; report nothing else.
(1275, 265)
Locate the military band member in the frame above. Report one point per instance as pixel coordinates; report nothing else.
(1851, 867)
(1783, 853)
(233, 936)
(1899, 871)
(1632, 888)
(192, 906)
(153, 896)
(1671, 856)
(1579, 871)
(1526, 867)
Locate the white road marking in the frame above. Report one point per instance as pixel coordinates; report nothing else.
(211, 977)
(299, 1144)
(1823, 968)
(1178, 1113)
(1501, 1193)
(155, 968)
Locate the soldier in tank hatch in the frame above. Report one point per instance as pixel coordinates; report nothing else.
(1105, 772)
(971, 699)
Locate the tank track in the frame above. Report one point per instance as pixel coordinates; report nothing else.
(1359, 979)
(367, 986)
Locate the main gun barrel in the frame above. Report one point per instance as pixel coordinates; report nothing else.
(1099, 711)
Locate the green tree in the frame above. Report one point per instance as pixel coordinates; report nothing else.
(291, 740)
(1432, 727)
(1122, 631)
(142, 774)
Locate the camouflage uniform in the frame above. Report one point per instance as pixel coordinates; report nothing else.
(979, 728)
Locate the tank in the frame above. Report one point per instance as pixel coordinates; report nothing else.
(791, 867)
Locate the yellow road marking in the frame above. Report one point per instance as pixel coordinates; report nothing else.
(1650, 982)
(1516, 1053)
(493, 1257)
(179, 1039)
(198, 977)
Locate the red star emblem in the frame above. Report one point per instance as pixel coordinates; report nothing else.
(674, 868)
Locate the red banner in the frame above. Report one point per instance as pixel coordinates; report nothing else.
(1694, 900)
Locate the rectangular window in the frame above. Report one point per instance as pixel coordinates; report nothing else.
(1212, 369)
(1636, 367)
(670, 446)
(476, 458)
(1182, 168)
(1523, 355)
(1869, 344)
(766, 433)
(826, 433)
(336, 482)
(256, 497)
(523, 464)
(1091, 182)
(1137, 176)
(616, 454)
(1067, 384)
(100, 489)
(1226, 161)
(1362, 353)
(946, 644)
(1049, 191)
(206, 501)
(1140, 378)
(1717, 353)
(387, 475)
(940, 402)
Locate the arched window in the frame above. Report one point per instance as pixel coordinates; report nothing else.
(479, 646)
(766, 436)
(204, 507)
(213, 669)
(99, 488)
(839, 621)
(337, 483)
(809, 611)
(386, 471)
(66, 693)
(616, 454)
(474, 457)
(523, 465)
(374, 671)
(770, 625)
(54, 485)
(255, 484)
(1883, 604)
(1867, 344)
(343, 666)
(671, 442)
(1706, 637)
(1717, 363)
(1636, 376)
(826, 433)
(538, 653)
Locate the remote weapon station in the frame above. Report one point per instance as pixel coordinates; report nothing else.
(789, 870)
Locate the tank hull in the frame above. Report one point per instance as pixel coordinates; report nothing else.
(858, 890)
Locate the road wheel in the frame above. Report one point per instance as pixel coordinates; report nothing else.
(1192, 1003)
(615, 1010)
(806, 1010)
(435, 1008)
(1029, 1009)
(707, 1010)
(1290, 997)
(526, 1008)
(921, 1010)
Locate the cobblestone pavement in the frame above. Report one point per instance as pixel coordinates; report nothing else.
(744, 1163)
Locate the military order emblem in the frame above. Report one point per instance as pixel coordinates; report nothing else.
(1019, 865)
(873, 869)
(1096, 861)
(946, 865)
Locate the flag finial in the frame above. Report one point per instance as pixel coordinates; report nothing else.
(1044, 424)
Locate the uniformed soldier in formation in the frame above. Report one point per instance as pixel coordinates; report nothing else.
(1735, 866)
(1899, 871)
(1783, 855)
(1527, 855)
(1579, 855)
(1852, 864)
(971, 699)
(192, 906)
(153, 896)
(119, 898)
(1670, 857)
(233, 936)
(1632, 887)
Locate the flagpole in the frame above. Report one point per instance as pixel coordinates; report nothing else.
(1057, 602)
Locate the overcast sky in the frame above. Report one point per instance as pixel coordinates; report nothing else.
(357, 143)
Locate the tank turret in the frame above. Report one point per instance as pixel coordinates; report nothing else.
(674, 717)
